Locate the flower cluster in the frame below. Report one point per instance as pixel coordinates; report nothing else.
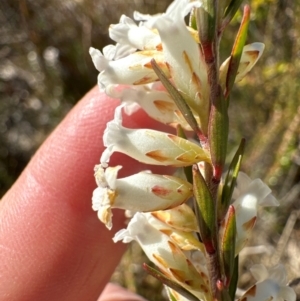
(172, 72)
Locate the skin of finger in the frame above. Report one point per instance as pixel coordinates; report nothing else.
(52, 246)
(113, 292)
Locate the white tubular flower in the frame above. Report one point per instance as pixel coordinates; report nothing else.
(157, 103)
(149, 146)
(140, 192)
(271, 285)
(249, 194)
(250, 56)
(185, 62)
(134, 69)
(165, 254)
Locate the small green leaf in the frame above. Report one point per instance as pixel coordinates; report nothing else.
(237, 51)
(205, 211)
(228, 245)
(179, 100)
(170, 283)
(206, 21)
(230, 12)
(230, 180)
(218, 134)
(192, 20)
(222, 6)
(234, 278)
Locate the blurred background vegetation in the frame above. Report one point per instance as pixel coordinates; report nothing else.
(45, 68)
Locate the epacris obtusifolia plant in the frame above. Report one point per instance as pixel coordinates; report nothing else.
(191, 225)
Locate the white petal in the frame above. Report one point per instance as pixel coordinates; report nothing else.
(97, 197)
(269, 200)
(287, 294)
(176, 11)
(98, 59)
(186, 65)
(108, 177)
(263, 291)
(138, 37)
(101, 200)
(251, 54)
(259, 272)
(123, 235)
(278, 274)
(243, 181)
(133, 69)
(156, 103)
(118, 51)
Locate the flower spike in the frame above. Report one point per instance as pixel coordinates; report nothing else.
(193, 224)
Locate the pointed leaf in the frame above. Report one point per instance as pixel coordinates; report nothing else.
(228, 245)
(234, 278)
(206, 21)
(237, 51)
(218, 134)
(230, 12)
(179, 100)
(230, 180)
(170, 283)
(205, 211)
(222, 7)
